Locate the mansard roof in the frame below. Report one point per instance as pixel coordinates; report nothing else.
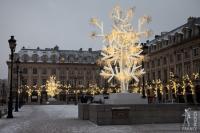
(191, 22)
(179, 35)
(55, 55)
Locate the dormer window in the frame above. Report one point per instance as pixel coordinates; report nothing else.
(53, 58)
(173, 39)
(44, 58)
(35, 57)
(71, 58)
(176, 37)
(25, 58)
(89, 59)
(189, 33)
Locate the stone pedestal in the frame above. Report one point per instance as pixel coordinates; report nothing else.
(126, 98)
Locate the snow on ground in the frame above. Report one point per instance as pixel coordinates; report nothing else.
(63, 119)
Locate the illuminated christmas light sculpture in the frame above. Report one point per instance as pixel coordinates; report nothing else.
(122, 52)
(52, 86)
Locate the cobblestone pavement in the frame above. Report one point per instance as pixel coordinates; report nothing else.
(63, 119)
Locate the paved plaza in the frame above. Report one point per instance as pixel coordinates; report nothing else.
(64, 119)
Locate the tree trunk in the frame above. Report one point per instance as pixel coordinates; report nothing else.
(124, 87)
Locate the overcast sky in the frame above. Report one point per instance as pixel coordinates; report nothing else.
(46, 23)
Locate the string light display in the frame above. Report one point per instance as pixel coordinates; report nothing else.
(122, 51)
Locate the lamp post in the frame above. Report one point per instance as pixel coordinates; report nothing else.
(143, 86)
(21, 90)
(17, 88)
(12, 44)
(76, 91)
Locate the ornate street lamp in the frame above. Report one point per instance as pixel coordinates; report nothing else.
(12, 44)
(17, 88)
(76, 96)
(21, 90)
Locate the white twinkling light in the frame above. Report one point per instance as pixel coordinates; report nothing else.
(122, 51)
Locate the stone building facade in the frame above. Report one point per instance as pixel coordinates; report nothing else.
(176, 51)
(3, 91)
(75, 67)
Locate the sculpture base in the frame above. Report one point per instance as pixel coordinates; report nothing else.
(126, 98)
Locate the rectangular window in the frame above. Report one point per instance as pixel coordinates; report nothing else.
(195, 51)
(53, 71)
(80, 73)
(179, 70)
(186, 54)
(62, 72)
(187, 68)
(148, 76)
(25, 71)
(158, 62)
(164, 60)
(44, 71)
(159, 74)
(178, 57)
(165, 75)
(79, 82)
(152, 64)
(153, 75)
(171, 58)
(147, 64)
(196, 66)
(34, 70)
(71, 73)
(172, 70)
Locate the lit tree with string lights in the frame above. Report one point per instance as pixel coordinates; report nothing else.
(52, 86)
(122, 51)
